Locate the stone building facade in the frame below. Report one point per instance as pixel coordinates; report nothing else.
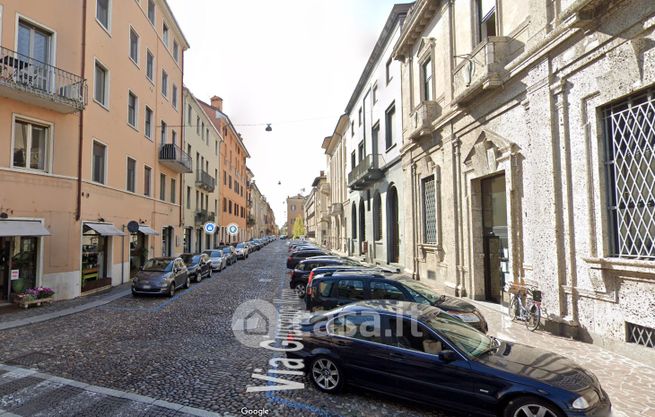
(295, 209)
(374, 138)
(528, 157)
(336, 157)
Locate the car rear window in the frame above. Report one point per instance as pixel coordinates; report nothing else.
(352, 289)
(325, 288)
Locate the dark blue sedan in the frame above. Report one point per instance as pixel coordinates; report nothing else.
(418, 352)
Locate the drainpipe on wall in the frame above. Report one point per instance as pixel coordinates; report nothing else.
(123, 256)
(182, 143)
(78, 208)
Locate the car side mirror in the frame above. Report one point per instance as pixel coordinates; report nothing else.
(447, 355)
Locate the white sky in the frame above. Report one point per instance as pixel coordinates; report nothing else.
(280, 61)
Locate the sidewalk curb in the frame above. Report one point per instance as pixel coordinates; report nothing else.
(66, 312)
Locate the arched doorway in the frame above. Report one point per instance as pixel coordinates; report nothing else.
(393, 237)
(362, 226)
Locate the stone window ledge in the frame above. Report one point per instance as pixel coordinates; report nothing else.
(622, 264)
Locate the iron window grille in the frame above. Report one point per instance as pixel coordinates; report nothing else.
(640, 335)
(429, 211)
(630, 148)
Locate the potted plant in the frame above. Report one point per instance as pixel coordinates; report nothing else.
(34, 296)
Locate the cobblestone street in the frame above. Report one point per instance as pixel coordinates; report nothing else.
(179, 357)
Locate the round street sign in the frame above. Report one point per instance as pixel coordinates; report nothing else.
(233, 229)
(210, 228)
(133, 226)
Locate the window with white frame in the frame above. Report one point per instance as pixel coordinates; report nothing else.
(197, 125)
(173, 190)
(164, 33)
(174, 98)
(162, 187)
(189, 115)
(147, 181)
(389, 125)
(163, 132)
(429, 210)
(426, 77)
(134, 46)
(173, 137)
(151, 11)
(132, 103)
(387, 69)
(101, 84)
(377, 216)
(164, 83)
(148, 123)
(131, 175)
(150, 65)
(630, 172)
(486, 13)
(99, 162)
(31, 145)
(176, 51)
(103, 12)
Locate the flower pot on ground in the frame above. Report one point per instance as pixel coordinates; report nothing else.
(34, 296)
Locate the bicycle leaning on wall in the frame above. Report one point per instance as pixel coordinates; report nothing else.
(525, 305)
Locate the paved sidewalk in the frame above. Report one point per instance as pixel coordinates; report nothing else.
(12, 316)
(630, 384)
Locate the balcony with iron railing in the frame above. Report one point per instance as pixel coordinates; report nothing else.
(173, 157)
(483, 69)
(205, 181)
(367, 171)
(203, 216)
(26, 79)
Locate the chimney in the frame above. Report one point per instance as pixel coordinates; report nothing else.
(217, 103)
(322, 174)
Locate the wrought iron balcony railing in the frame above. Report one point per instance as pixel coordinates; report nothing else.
(205, 181)
(175, 158)
(366, 172)
(203, 216)
(30, 80)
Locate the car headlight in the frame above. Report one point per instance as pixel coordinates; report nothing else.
(580, 404)
(587, 400)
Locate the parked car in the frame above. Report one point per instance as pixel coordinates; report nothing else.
(300, 274)
(431, 358)
(229, 253)
(345, 287)
(198, 265)
(161, 276)
(241, 250)
(218, 261)
(299, 255)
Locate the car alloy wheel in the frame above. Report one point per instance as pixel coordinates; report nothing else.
(300, 290)
(171, 290)
(187, 283)
(326, 375)
(531, 407)
(199, 277)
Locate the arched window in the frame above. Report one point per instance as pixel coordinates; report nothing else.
(377, 216)
(354, 221)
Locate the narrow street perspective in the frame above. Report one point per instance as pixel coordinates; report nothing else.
(344, 208)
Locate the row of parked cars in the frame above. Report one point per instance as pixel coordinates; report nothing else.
(375, 329)
(165, 275)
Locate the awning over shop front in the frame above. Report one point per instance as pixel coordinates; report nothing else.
(104, 229)
(147, 230)
(22, 228)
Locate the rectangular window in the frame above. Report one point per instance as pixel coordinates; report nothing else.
(388, 74)
(163, 132)
(173, 190)
(188, 197)
(189, 114)
(103, 11)
(176, 51)
(352, 128)
(360, 116)
(151, 11)
(429, 211)
(150, 65)
(353, 160)
(630, 169)
(486, 10)
(174, 99)
(389, 121)
(207, 135)
(101, 84)
(375, 135)
(361, 150)
(131, 174)
(147, 181)
(31, 145)
(230, 206)
(202, 131)
(426, 74)
(162, 187)
(164, 33)
(224, 204)
(134, 46)
(230, 181)
(173, 137)
(132, 103)
(224, 177)
(375, 93)
(148, 126)
(99, 158)
(164, 83)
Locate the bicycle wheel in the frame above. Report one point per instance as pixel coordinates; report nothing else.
(533, 318)
(514, 308)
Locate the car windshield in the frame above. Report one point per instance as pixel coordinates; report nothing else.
(423, 291)
(190, 259)
(240, 246)
(158, 265)
(467, 339)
